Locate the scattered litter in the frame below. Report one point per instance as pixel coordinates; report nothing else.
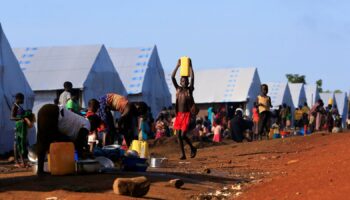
(52, 198)
(275, 157)
(239, 193)
(207, 171)
(236, 187)
(292, 162)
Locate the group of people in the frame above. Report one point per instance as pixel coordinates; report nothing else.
(65, 120)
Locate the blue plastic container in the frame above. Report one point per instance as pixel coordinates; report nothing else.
(301, 132)
(76, 158)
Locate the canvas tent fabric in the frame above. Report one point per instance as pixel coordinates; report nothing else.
(88, 67)
(326, 97)
(312, 94)
(341, 100)
(12, 81)
(223, 85)
(280, 94)
(142, 74)
(298, 94)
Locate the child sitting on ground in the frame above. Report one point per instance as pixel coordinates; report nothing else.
(217, 131)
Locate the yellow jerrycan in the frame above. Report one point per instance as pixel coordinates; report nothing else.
(141, 147)
(185, 66)
(61, 158)
(330, 101)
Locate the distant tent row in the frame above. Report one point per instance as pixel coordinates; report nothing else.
(340, 100)
(136, 72)
(12, 81)
(89, 68)
(280, 94)
(230, 87)
(142, 75)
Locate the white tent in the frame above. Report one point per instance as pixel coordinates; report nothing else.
(342, 101)
(280, 94)
(89, 68)
(226, 85)
(142, 74)
(12, 81)
(327, 97)
(312, 94)
(298, 94)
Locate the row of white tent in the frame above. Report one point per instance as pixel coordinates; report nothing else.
(243, 85)
(39, 73)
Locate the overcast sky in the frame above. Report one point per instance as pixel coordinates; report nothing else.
(309, 37)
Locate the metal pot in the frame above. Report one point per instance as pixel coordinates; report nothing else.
(158, 162)
(32, 157)
(46, 167)
(112, 147)
(87, 166)
(105, 162)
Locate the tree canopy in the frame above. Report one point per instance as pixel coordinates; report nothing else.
(296, 78)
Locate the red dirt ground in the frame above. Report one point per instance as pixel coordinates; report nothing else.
(311, 167)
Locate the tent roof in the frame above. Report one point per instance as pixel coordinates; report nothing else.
(12, 81)
(131, 64)
(277, 93)
(47, 68)
(312, 94)
(220, 85)
(296, 90)
(326, 97)
(341, 100)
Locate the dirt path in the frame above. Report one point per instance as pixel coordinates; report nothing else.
(312, 167)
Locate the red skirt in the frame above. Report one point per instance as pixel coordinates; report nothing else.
(182, 121)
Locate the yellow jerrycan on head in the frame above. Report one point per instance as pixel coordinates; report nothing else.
(141, 147)
(330, 101)
(185, 66)
(61, 158)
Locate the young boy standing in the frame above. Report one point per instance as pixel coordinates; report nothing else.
(184, 106)
(66, 94)
(264, 105)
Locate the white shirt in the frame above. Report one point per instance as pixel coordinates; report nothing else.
(64, 97)
(71, 123)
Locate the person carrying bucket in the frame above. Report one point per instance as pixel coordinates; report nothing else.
(185, 106)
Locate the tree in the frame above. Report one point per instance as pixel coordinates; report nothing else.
(296, 78)
(338, 91)
(319, 84)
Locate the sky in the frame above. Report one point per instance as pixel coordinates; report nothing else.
(307, 37)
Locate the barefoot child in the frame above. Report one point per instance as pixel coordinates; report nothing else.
(24, 120)
(264, 105)
(183, 107)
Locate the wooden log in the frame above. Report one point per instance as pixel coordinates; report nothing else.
(136, 187)
(177, 183)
